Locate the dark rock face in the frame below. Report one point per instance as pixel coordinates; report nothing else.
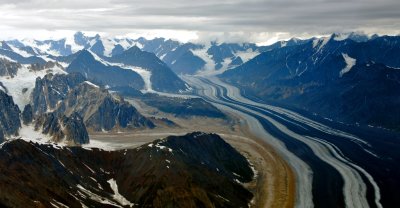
(8, 68)
(309, 76)
(118, 49)
(98, 47)
(163, 78)
(49, 124)
(4, 88)
(195, 170)
(101, 111)
(5, 46)
(211, 150)
(1, 136)
(236, 62)
(27, 114)
(52, 89)
(365, 95)
(82, 40)
(75, 129)
(101, 74)
(9, 115)
(62, 128)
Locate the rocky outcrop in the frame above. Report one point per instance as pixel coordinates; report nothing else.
(101, 110)
(9, 116)
(8, 68)
(75, 129)
(195, 170)
(1, 136)
(70, 130)
(27, 115)
(50, 90)
(69, 94)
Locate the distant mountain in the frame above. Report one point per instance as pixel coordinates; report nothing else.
(190, 58)
(19, 56)
(162, 78)
(102, 73)
(329, 76)
(182, 58)
(173, 172)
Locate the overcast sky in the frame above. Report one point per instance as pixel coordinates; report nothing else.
(260, 21)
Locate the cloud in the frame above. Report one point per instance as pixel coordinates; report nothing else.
(223, 20)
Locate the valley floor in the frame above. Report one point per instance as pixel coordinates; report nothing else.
(274, 185)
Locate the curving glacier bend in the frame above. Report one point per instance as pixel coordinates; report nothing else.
(355, 179)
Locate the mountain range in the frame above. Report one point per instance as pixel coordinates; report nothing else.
(55, 94)
(171, 172)
(306, 74)
(352, 80)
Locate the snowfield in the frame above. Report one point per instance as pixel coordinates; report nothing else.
(21, 85)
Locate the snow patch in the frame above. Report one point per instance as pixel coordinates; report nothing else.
(117, 196)
(124, 43)
(97, 58)
(28, 133)
(8, 58)
(161, 147)
(109, 45)
(320, 43)
(43, 48)
(350, 62)
(145, 74)
(70, 40)
(163, 56)
(58, 204)
(91, 84)
(139, 45)
(210, 63)
(20, 52)
(95, 197)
